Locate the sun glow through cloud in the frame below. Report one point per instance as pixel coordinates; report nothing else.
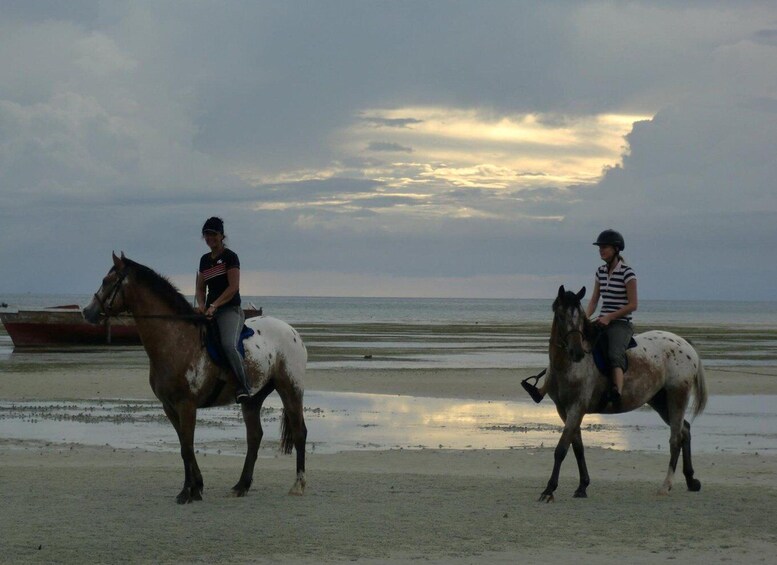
(471, 148)
(413, 163)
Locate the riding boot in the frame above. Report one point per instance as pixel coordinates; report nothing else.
(533, 391)
(242, 390)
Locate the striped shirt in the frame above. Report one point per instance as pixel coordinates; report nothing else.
(612, 288)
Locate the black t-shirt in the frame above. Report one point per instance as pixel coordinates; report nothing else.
(214, 274)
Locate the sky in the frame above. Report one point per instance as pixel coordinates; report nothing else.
(407, 148)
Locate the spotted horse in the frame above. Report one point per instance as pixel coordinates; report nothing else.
(665, 372)
(185, 379)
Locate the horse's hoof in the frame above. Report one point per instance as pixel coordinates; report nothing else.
(580, 494)
(239, 492)
(547, 498)
(298, 489)
(694, 485)
(663, 491)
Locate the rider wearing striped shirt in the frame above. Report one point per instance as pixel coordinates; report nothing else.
(616, 285)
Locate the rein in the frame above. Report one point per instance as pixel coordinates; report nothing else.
(198, 317)
(117, 287)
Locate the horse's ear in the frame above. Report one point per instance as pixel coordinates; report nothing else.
(561, 291)
(122, 256)
(581, 294)
(118, 263)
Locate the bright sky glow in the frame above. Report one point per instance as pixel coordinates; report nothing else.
(437, 149)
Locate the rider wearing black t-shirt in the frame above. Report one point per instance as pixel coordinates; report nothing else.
(219, 275)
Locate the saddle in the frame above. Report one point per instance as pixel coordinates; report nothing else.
(213, 343)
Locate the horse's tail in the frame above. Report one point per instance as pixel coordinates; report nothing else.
(287, 442)
(700, 391)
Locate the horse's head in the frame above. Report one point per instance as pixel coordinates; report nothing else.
(569, 323)
(110, 299)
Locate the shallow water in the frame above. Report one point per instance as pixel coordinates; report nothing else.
(347, 421)
(406, 333)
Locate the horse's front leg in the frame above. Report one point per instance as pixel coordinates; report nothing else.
(571, 427)
(585, 480)
(183, 417)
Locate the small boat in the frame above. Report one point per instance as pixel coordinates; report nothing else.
(66, 326)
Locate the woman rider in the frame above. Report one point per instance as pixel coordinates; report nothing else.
(219, 274)
(616, 284)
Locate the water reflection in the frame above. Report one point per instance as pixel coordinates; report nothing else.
(344, 421)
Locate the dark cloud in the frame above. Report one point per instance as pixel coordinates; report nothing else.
(388, 147)
(766, 36)
(125, 125)
(312, 190)
(391, 122)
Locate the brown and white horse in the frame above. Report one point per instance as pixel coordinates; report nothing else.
(184, 378)
(664, 371)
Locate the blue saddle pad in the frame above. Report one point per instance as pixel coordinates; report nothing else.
(600, 356)
(213, 344)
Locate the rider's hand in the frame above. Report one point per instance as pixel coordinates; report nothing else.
(603, 320)
(210, 311)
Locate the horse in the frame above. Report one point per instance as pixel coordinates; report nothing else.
(184, 378)
(663, 371)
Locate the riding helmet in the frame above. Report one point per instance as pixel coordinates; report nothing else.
(213, 224)
(611, 237)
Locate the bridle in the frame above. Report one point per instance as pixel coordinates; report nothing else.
(115, 290)
(563, 343)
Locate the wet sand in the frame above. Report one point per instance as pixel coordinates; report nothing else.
(75, 503)
(88, 382)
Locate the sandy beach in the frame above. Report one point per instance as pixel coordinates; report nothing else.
(82, 503)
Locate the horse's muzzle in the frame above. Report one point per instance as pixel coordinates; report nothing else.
(577, 355)
(92, 312)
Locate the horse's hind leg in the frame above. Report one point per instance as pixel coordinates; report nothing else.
(253, 422)
(294, 433)
(694, 485)
(672, 411)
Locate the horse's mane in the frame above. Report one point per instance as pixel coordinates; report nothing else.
(163, 288)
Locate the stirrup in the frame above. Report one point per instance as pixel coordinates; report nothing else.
(532, 389)
(242, 396)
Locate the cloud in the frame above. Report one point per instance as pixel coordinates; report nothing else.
(407, 143)
(388, 147)
(390, 122)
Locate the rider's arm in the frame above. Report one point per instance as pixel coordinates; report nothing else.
(594, 300)
(200, 292)
(233, 278)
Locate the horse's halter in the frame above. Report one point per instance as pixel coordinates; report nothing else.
(115, 290)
